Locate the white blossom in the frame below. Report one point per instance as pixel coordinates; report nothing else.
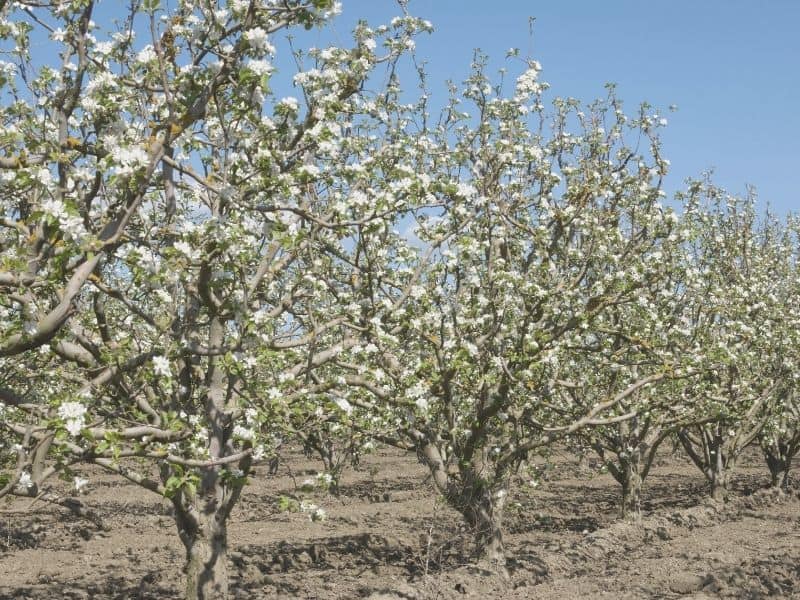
(161, 366)
(343, 404)
(290, 102)
(260, 67)
(244, 433)
(527, 83)
(128, 159)
(257, 38)
(187, 250)
(25, 482)
(146, 54)
(73, 415)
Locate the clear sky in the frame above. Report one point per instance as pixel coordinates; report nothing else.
(731, 66)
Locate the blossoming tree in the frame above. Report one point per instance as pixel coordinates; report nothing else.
(780, 438)
(654, 333)
(739, 310)
(176, 239)
(548, 229)
(643, 338)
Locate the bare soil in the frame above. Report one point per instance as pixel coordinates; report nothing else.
(387, 538)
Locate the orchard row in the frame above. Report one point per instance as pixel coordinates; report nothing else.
(196, 268)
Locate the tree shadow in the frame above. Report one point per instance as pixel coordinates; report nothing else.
(18, 538)
(672, 492)
(148, 587)
(746, 484)
(554, 524)
(347, 551)
(378, 489)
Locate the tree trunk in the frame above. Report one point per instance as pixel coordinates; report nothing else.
(631, 488)
(483, 512)
(779, 467)
(207, 564)
(719, 491)
(481, 498)
(201, 516)
(633, 444)
(477, 499)
(332, 462)
(333, 466)
(711, 455)
(780, 479)
(205, 537)
(717, 475)
(204, 497)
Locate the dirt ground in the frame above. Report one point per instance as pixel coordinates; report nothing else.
(387, 538)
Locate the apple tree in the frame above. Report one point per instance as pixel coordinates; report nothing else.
(738, 315)
(553, 219)
(176, 236)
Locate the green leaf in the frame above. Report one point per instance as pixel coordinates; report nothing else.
(288, 504)
(173, 486)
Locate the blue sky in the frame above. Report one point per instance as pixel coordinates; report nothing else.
(731, 67)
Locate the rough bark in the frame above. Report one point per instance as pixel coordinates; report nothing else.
(207, 560)
(202, 508)
(779, 465)
(632, 488)
(717, 476)
(482, 508)
(480, 496)
(714, 455)
(202, 525)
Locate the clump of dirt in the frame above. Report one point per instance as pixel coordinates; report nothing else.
(774, 576)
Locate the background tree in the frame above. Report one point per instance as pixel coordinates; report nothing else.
(780, 438)
(634, 339)
(628, 444)
(547, 230)
(739, 309)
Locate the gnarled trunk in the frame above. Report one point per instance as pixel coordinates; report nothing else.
(718, 480)
(202, 526)
(631, 480)
(634, 445)
(713, 456)
(779, 477)
(479, 494)
(779, 464)
(201, 517)
(203, 498)
(482, 509)
(718, 469)
(207, 559)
